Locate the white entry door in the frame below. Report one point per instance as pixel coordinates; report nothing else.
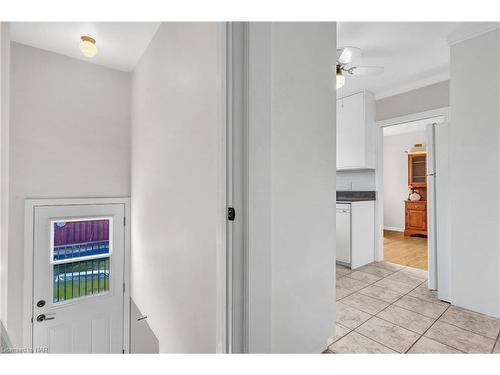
(78, 278)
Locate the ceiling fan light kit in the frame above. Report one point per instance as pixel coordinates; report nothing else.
(345, 56)
(340, 78)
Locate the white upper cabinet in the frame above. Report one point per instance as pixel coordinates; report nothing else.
(356, 131)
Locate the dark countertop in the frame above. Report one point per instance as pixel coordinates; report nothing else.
(356, 196)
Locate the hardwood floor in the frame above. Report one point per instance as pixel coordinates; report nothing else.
(407, 251)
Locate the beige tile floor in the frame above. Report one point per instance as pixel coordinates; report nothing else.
(387, 308)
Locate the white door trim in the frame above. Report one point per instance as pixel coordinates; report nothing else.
(236, 167)
(379, 172)
(221, 284)
(29, 210)
(430, 136)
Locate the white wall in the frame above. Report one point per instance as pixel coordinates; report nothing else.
(475, 173)
(4, 163)
(259, 227)
(174, 186)
(70, 135)
(292, 184)
(142, 337)
(396, 176)
(363, 179)
(414, 101)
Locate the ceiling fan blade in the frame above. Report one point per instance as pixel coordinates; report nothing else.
(365, 70)
(346, 54)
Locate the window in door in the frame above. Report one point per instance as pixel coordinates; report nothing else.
(80, 256)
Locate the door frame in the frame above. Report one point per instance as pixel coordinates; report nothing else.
(236, 119)
(379, 171)
(29, 216)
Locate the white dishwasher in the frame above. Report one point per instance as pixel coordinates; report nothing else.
(355, 233)
(344, 233)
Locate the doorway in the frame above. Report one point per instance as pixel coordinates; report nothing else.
(410, 239)
(405, 194)
(77, 259)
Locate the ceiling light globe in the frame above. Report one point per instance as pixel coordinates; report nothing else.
(340, 81)
(88, 47)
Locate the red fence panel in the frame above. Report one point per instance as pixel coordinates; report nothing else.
(81, 231)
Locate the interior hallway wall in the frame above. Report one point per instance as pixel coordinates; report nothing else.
(174, 186)
(4, 163)
(396, 177)
(291, 186)
(70, 137)
(474, 139)
(414, 101)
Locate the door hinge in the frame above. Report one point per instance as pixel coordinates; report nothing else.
(123, 287)
(231, 213)
(124, 221)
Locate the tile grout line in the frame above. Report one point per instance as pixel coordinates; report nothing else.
(370, 284)
(369, 338)
(497, 342)
(349, 331)
(389, 305)
(362, 334)
(454, 325)
(404, 296)
(386, 277)
(466, 329)
(430, 328)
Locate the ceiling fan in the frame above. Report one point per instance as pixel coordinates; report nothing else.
(345, 56)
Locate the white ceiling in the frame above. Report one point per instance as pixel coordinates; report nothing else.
(120, 44)
(414, 54)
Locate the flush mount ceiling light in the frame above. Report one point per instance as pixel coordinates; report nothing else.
(87, 46)
(340, 77)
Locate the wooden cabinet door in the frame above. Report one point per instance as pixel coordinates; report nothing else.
(416, 219)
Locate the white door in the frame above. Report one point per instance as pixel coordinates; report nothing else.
(78, 278)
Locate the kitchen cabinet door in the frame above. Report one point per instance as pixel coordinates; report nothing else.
(351, 137)
(356, 131)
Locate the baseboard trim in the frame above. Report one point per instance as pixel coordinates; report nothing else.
(394, 229)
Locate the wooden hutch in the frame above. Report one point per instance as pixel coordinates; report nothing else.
(416, 211)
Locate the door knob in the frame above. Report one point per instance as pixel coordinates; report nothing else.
(40, 303)
(42, 317)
